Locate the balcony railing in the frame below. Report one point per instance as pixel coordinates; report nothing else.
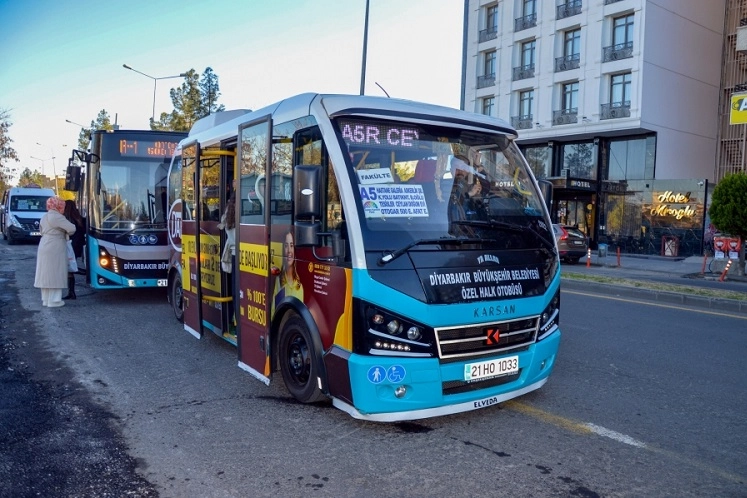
(567, 63)
(486, 80)
(619, 51)
(523, 72)
(525, 22)
(522, 122)
(568, 9)
(565, 116)
(488, 34)
(615, 110)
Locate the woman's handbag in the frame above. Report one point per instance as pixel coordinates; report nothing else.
(72, 264)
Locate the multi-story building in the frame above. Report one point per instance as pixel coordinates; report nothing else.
(732, 156)
(615, 102)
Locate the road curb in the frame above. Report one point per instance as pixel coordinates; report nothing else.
(712, 303)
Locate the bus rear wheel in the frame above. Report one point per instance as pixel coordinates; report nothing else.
(175, 296)
(298, 362)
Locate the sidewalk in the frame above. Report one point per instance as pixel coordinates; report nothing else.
(690, 272)
(690, 267)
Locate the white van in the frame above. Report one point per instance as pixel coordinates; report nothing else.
(21, 211)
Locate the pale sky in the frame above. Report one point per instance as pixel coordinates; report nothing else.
(62, 60)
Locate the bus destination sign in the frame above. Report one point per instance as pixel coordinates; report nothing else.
(146, 148)
(372, 134)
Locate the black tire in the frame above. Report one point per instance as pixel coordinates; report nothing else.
(176, 298)
(298, 362)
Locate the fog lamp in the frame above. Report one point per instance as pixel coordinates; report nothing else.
(413, 333)
(400, 391)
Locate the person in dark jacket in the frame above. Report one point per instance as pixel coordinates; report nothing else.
(78, 240)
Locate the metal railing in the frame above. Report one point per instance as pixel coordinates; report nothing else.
(523, 72)
(486, 80)
(616, 52)
(488, 34)
(615, 110)
(525, 22)
(567, 63)
(522, 122)
(565, 116)
(568, 9)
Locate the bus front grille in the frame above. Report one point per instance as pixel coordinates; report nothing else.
(476, 341)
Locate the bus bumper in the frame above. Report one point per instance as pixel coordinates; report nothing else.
(391, 389)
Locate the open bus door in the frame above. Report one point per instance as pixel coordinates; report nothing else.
(254, 158)
(191, 294)
(206, 290)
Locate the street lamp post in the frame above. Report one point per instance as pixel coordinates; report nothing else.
(155, 82)
(74, 123)
(43, 161)
(54, 168)
(365, 52)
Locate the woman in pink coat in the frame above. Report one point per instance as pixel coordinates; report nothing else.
(51, 257)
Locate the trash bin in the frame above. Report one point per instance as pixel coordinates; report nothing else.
(602, 250)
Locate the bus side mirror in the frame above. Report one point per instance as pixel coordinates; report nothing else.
(545, 187)
(307, 198)
(72, 178)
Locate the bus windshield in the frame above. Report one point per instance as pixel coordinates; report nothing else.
(418, 182)
(130, 195)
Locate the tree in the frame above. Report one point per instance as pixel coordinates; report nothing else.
(728, 210)
(34, 177)
(195, 99)
(7, 153)
(102, 122)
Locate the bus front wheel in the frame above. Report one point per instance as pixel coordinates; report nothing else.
(175, 293)
(298, 362)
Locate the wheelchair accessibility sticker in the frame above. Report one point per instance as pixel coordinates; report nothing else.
(396, 373)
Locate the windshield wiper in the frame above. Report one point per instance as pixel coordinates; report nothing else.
(509, 227)
(443, 240)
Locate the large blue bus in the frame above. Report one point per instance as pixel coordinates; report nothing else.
(121, 184)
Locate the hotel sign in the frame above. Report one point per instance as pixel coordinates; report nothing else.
(671, 203)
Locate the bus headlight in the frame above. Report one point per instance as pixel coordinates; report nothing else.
(379, 332)
(394, 327)
(550, 317)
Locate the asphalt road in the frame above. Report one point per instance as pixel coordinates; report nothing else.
(109, 397)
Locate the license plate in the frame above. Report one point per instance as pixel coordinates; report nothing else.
(491, 368)
(162, 282)
(577, 243)
(36, 234)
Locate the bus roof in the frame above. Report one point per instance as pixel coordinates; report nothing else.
(217, 127)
